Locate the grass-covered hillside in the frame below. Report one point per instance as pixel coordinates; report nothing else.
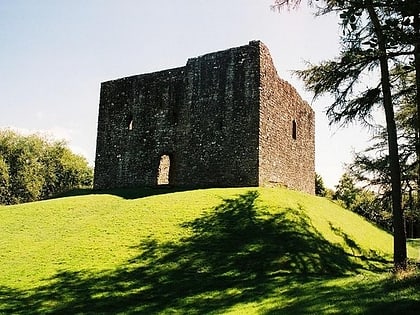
(213, 251)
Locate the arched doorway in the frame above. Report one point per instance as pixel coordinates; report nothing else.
(163, 170)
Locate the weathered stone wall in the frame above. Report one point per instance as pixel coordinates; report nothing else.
(204, 116)
(217, 143)
(287, 129)
(135, 127)
(221, 119)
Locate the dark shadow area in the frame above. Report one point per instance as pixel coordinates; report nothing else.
(236, 253)
(383, 296)
(126, 193)
(373, 259)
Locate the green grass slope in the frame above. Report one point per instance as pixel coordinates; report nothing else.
(212, 251)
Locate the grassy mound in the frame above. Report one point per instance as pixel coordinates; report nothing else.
(240, 250)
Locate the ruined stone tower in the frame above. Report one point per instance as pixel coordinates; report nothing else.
(224, 119)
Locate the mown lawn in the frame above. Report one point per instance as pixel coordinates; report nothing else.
(213, 251)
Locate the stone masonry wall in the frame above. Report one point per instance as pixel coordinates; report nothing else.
(135, 126)
(217, 143)
(287, 128)
(204, 116)
(224, 119)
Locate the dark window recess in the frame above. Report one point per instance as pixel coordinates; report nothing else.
(294, 130)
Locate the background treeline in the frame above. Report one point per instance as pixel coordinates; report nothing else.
(374, 205)
(34, 167)
(366, 186)
(378, 67)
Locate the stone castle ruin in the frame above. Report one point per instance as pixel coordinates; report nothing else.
(225, 119)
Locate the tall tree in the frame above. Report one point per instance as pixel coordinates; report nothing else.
(379, 32)
(373, 39)
(371, 165)
(407, 30)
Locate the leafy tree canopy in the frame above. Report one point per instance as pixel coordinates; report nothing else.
(34, 167)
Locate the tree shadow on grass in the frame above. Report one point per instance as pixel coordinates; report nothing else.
(236, 253)
(359, 295)
(374, 260)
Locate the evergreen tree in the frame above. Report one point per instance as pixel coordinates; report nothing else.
(320, 189)
(378, 36)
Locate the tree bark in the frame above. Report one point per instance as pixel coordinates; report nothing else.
(400, 247)
(416, 23)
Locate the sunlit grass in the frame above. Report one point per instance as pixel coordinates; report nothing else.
(93, 232)
(243, 250)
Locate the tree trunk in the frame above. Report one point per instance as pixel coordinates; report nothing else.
(417, 67)
(400, 247)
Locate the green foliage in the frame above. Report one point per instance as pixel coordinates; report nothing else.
(320, 189)
(33, 168)
(346, 191)
(371, 166)
(378, 37)
(4, 181)
(373, 208)
(366, 203)
(257, 251)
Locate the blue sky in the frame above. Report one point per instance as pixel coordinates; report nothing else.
(55, 54)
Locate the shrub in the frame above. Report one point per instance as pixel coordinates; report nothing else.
(34, 167)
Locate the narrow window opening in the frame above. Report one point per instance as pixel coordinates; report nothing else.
(294, 130)
(163, 171)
